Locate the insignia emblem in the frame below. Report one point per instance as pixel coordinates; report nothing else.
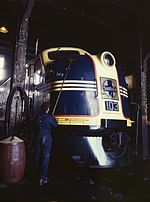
(109, 88)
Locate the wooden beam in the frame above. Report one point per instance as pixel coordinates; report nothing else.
(21, 47)
(144, 112)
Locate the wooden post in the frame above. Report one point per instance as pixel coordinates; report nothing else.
(21, 47)
(144, 112)
(143, 86)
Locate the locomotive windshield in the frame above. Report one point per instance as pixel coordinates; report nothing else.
(74, 79)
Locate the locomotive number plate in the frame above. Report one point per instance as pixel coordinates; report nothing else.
(111, 106)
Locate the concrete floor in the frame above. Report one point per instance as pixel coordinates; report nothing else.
(26, 190)
(68, 186)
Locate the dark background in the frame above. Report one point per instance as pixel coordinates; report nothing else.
(121, 27)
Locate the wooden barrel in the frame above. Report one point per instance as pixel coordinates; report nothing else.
(12, 160)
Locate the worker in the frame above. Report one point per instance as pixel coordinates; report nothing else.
(43, 147)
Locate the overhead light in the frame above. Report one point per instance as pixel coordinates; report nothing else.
(3, 29)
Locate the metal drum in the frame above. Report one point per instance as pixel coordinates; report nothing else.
(12, 160)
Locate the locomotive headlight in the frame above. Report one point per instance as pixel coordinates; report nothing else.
(108, 59)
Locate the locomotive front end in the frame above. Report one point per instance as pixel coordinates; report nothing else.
(89, 98)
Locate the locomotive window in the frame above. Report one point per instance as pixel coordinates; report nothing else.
(61, 54)
(77, 66)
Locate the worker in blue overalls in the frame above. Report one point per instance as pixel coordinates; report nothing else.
(43, 145)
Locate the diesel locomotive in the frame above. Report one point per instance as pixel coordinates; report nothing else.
(88, 96)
